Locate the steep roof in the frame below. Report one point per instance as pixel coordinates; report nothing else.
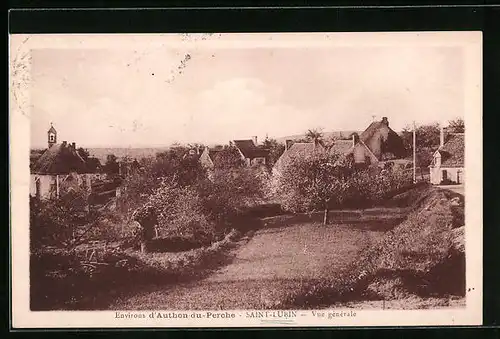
(212, 152)
(249, 149)
(299, 149)
(341, 146)
(391, 142)
(60, 159)
(453, 151)
(52, 129)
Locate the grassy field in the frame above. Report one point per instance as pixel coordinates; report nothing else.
(265, 269)
(299, 264)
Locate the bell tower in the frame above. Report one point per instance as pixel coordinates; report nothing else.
(51, 136)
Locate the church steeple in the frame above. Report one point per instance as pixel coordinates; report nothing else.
(51, 136)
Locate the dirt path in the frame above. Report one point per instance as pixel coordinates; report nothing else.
(460, 189)
(263, 271)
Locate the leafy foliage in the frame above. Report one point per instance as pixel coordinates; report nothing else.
(111, 166)
(314, 135)
(324, 181)
(457, 125)
(313, 182)
(60, 222)
(228, 158)
(275, 148)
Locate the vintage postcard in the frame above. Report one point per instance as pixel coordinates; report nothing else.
(246, 180)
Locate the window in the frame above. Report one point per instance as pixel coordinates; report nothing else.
(52, 137)
(445, 175)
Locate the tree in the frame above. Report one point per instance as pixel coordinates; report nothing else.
(62, 222)
(314, 135)
(93, 165)
(315, 182)
(457, 125)
(228, 157)
(111, 166)
(275, 148)
(328, 143)
(175, 163)
(231, 191)
(427, 136)
(407, 137)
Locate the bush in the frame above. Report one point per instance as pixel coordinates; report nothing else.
(60, 222)
(419, 256)
(324, 181)
(180, 211)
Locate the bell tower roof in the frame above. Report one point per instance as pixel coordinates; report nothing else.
(52, 129)
(51, 136)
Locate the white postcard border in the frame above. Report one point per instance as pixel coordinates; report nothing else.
(22, 317)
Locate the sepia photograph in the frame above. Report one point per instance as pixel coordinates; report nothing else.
(263, 179)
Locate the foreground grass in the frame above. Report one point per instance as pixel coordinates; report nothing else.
(419, 264)
(71, 280)
(269, 269)
(286, 265)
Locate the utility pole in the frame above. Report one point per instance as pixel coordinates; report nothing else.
(414, 154)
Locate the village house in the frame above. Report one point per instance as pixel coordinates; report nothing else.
(59, 169)
(377, 145)
(207, 157)
(447, 165)
(250, 153)
(295, 150)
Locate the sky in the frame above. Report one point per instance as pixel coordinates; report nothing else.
(116, 97)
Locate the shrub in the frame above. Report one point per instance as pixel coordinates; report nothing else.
(60, 222)
(419, 256)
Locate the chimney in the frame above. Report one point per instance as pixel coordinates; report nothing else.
(441, 137)
(73, 145)
(385, 121)
(255, 140)
(64, 143)
(288, 144)
(355, 139)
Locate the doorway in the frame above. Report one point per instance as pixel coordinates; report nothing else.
(445, 175)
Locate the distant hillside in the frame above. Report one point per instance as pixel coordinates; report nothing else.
(134, 153)
(326, 135)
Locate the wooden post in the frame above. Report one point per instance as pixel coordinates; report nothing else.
(325, 216)
(57, 186)
(414, 154)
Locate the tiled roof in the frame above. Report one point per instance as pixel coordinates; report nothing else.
(250, 150)
(212, 152)
(59, 159)
(452, 152)
(341, 146)
(299, 149)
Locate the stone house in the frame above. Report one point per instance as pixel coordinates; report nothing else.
(59, 169)
(448, 161)
(250, 153)
(207, 157)
(296, 150)
(377, 145)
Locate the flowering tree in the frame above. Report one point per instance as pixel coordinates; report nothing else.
(63, 222)
(314, 182)
(228, 158)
